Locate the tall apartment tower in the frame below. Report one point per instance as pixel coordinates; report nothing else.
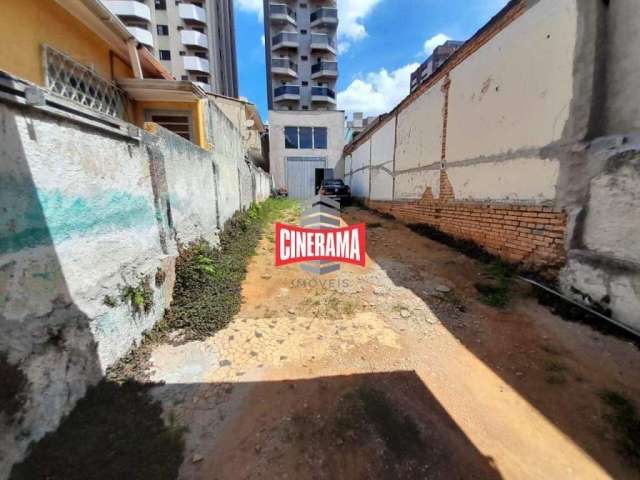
(301, 54)
(195, 40)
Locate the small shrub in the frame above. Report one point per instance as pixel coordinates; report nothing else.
(140, 297)
(109, 301)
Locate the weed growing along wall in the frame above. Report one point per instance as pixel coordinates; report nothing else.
(531, 152)
(90, 227)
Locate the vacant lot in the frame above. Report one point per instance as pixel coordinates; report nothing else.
(425, 364)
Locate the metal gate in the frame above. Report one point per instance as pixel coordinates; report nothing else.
(301, 175)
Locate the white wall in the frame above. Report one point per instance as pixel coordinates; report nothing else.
(419, 145)
(515, 91)
(360, 162)
(382, 148)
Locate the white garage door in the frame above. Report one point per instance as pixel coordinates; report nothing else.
(301, 175)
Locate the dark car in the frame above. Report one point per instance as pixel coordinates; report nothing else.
(336, 189)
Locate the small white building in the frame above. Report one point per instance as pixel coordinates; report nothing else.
(305, 148)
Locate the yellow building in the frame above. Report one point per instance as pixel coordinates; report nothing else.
(76, 56)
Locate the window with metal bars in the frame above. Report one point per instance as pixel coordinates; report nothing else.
(79, 83)
(178, 121)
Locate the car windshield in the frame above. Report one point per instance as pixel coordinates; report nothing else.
(333, 183)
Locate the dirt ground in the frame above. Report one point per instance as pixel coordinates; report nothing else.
(395, 371)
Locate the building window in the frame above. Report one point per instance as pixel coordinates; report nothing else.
(305, 138)
(165, 54)
(78, 83)
(163, 30)
(290, 137)
(303, 32)
(203, 79)
(305, 83)
(320, 138)
(185, 77)
(304, 58)
(179, 122)
(161, 4)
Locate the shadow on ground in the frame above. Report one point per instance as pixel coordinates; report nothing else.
(370, 426)
(565, 370)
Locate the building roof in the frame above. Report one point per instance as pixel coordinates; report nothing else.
(97, 18)
(151, 89)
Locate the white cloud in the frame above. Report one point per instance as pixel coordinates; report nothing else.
(351, 13)
(343, 46)
(262, 40)
(377, 92)
(434, 42)
(251, 6)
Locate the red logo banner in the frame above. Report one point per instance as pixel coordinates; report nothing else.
(297, 244)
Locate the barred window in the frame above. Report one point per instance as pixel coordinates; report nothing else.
(76, 82)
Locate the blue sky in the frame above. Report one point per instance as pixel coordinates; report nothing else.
(381, 42)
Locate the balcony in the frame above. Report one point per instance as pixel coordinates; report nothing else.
(192, 38)
(195, 64)
(321, 41)
(284, 66)
(286, 92)
(142, 35)
(324, 70)
(323, 95)
(192, 13)
(129, 9)
(204, 86)
(284, 40)
(279, 12)
(325, 17)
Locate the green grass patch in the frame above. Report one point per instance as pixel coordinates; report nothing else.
(555, 372)
(368, 408)
(497, 291)
(622, 416)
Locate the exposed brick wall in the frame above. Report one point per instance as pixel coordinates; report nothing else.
(531, 235)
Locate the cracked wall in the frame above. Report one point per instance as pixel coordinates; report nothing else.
(538, 110)
(84, 214)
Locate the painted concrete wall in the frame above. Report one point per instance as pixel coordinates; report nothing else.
(419, 145)
(333, 120)
(382, 153)
(623, 67)
(493, 89)
(360, 164)
(86, 214)
(521, 120)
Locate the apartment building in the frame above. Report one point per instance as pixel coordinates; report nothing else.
(194, 40)
(301, 54)
(431, 64)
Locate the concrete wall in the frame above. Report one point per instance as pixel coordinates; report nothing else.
(518, 128)
(333, 120)
(85, 214)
